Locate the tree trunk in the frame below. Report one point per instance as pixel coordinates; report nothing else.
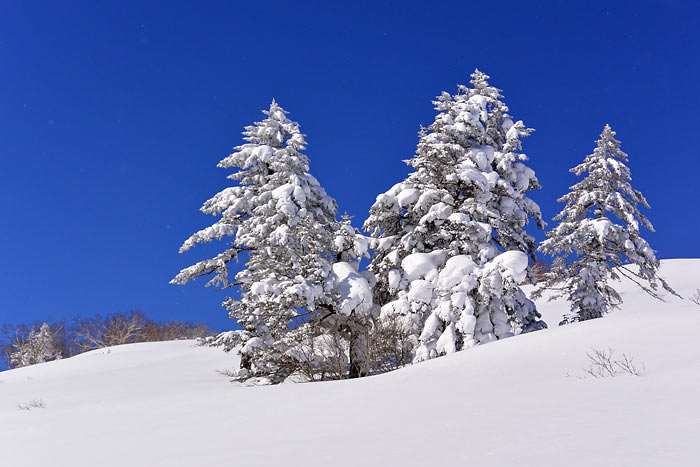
(358, 353)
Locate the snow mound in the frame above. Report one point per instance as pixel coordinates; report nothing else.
(355, 292)
(423, 265)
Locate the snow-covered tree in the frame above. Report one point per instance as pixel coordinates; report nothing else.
(282, 220)
(509, 206)
(439, 236)
(598, 236)
(38, 346)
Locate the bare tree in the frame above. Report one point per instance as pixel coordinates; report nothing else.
(540, 268)
(153, 331)
(13, 338)
(115, 329)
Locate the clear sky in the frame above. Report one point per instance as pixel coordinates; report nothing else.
(113, 116)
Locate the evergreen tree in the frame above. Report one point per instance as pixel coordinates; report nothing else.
(438, 234)
(284, 222)
(599, 226)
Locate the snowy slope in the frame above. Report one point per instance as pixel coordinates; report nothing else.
(506, 403)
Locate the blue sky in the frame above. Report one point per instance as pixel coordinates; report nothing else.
(113, 116)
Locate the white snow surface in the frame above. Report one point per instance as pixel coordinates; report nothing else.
(423, 265)
(355, 292)
(519, 401)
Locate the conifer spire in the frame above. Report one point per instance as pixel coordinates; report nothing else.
(599, 226)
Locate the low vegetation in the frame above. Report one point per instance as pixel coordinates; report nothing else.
(695, 298)
(602, 363)
(28, 344)
(33, 404)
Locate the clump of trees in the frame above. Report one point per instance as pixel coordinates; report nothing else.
(24, 344)
(448, 251)
(448, 247)
(36, 344)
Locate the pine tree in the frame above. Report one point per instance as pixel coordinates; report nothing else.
(438, 234)
(283, 223)
(599, 226)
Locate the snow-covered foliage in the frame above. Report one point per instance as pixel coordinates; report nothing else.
(294, 286)
(438, 234)
(598, 237)
(39, 346)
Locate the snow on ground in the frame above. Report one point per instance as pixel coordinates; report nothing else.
(520, 401)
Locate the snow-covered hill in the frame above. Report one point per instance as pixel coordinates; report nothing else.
(522, 401)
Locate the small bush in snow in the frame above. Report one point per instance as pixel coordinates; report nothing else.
(695, 298)
(390, 345)
(603, 364)
(33, 404)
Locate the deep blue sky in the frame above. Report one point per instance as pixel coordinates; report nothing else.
(113, 116)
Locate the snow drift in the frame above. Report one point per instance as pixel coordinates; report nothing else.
(521, 401)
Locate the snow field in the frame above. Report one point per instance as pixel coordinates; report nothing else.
(520, 401)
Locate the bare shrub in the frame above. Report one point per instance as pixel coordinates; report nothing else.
(305, 354)
(317, 354)
(600, 364)
(627, 365)
(603, 364)
(390, 345)
(320, 356)
(33, 404)
(695, 298)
